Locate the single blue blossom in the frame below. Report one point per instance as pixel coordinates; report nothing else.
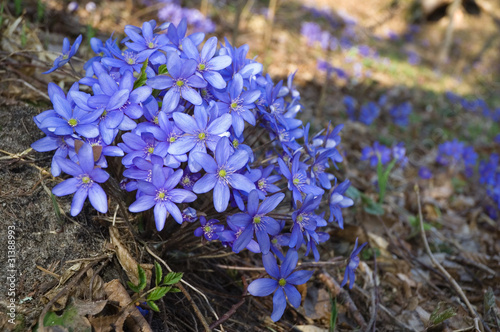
(161, 194)
(352, 266)
(284, 278)
(68, 51)
(84, 181)
(221, 173)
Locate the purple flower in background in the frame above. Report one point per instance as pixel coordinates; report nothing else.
(350, 105)
(369, 112)
(376, 152)
(84, 181)
(352, 266)
(282, 284)
(161, 194)
(400, 113)
(68, 51)
(424, 173)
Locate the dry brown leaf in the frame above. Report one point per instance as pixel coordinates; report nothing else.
(104, 323)
(128, 263)
(136, 322)
(89, 307)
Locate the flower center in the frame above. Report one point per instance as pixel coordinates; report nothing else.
(296, 181)
(300, 218)
(207, 229)
(65, 56)
(315, 168)
(179, 83)
(130, 61)
(204, 92)
(201, 136)
(282, 282)
(201, 67)
(155, 120)
(151, 45)
(234, 105)
(172, 139)
(236, 143)
(86, 180)
(151, 150)
(256, 220)
(186, 180)
(104, 113)
(72, 122)
(222, 173)
(160, 195)
(261, 184)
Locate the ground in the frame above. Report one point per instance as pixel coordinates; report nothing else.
(398, 286)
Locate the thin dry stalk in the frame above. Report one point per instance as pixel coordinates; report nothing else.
(450, 279)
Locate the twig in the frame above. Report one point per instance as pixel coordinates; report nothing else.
(44, 270)
(184, 291)
(336, 290)
(450, 279)
(235, 307)
(443, 55)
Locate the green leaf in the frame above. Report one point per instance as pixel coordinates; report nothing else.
(158, 273)
(158, 293)
(174, 290)
(162, 70)
(70, 320)
(153, 306)
(333, 314)
(375, 209)
(353, 193)
(141, 80)
(172, 278)
(133, 287)
(142, 281)
(438, 316)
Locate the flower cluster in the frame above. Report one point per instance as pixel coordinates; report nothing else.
(454, 153)
(198, 122)
(384, 154)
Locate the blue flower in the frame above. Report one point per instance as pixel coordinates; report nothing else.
(339, 201)
(209, 229)
(282, 284)
(297, 179)
(256, 221)
(352, 266)
(146, 44)
(238, 103)
(221, 173)
(84, 181)
(424, 173)
(208, 65)
(161, 194)
(181, 83)
(375, 153)
(400, 114)
(67, 119)
(199, 134)
(369, 112)
(305, 221)
(67, 52)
